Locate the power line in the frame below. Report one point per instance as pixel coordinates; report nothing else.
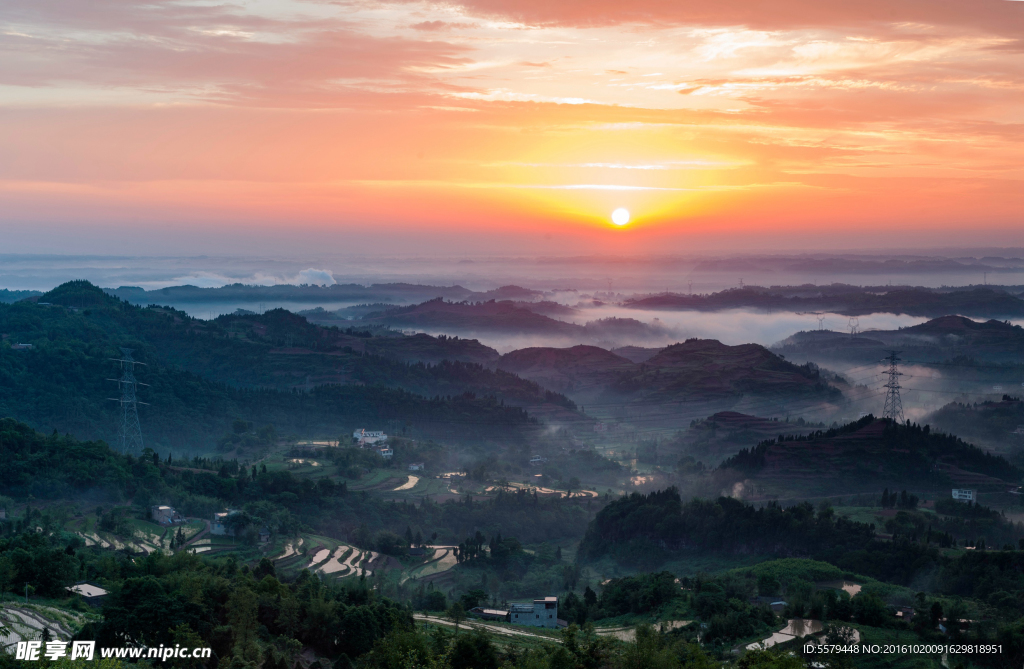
(130, 432)
(893, 404)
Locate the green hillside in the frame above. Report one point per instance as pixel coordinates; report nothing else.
(203, 375)
(870, 454)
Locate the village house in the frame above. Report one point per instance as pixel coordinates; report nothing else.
(92, 594)
(218, 526)
(165, 515)
(366, 438)
(499, 615)
(963, 495)
(542, 613)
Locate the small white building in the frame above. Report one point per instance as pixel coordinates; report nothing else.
(368, 437)
(219, 526)
(386, 452)
(165, 515)
(537, 460)
(3, 514)
(542, 613)
(416, 467)
(92, 594)
(963, 495)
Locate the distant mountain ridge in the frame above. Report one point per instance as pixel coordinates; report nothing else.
(8, 296)
(511, 318)
(939, 339)
(985, 302)
(379, 292)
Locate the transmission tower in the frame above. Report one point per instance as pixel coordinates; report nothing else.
(130, 435)
(893, 405)
(854, 323)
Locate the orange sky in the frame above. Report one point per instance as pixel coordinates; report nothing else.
(498, 124)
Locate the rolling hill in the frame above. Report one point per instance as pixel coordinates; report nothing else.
(695, 370)
(517, 319)
(274, 368)
(868, 455)
(940, 339)
(996, 425)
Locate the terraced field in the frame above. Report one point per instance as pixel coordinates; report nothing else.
(444, 559)
(147, 537)
(347, 561)
(25, 622)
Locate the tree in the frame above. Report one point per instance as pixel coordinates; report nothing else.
(434, 601)
(473, 651)
(241, 614)
(456, 614)
(473, 598)
(645, 651)
(935, 614)
(769, 659)
(184, 636)
(8, 574)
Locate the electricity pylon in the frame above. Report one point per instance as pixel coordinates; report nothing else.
(130, 434)
(893, 405)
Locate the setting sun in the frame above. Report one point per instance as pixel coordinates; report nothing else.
(620, 216)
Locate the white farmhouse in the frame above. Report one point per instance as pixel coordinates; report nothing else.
(542, 613)
(365, 437)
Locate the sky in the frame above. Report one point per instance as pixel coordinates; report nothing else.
(274, 126)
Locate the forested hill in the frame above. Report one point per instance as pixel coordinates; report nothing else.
(201, 375)
(657, 525)
(7, 295)
(876, 453)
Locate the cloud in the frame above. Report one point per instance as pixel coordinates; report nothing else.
(435, 26)
(993, 16)
(206, 279)
(320, 277)
(216, 53)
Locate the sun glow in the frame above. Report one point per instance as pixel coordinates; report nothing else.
(620, 216)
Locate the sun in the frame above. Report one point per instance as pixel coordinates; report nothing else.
(620, 216)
